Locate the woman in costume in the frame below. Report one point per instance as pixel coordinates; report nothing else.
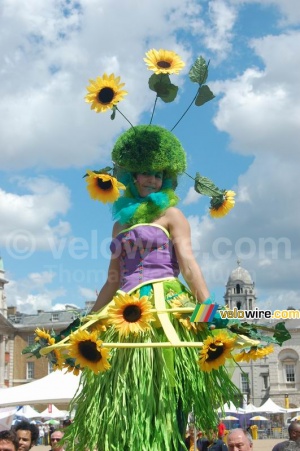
(143, 401)
(144, 363)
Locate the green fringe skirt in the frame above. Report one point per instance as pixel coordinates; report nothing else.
(143, 401)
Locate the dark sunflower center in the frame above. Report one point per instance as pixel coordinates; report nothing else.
(132, 313)
(214, 352)
(105, 95)
(88, 350)
(164, 64)
(104, 185)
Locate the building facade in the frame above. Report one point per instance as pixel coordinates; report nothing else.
(276, 376)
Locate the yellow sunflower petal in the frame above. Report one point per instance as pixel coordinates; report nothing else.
(163, 61)
(105, 92)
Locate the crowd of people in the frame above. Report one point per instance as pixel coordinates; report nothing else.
(24, 435)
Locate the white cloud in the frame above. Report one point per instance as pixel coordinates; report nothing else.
(192, 197)
(33, 221)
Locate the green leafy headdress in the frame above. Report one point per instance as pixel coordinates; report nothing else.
(144, 148)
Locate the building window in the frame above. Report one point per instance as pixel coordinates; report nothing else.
(30, 370)
(265, 378)
(290, 373)
(55, 317)
(245, 382)
(30, 340)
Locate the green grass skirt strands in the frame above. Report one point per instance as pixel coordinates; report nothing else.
(143, 401)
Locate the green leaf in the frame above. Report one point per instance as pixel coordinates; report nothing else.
(281, 333)
(204, 95)
(161, 84)
(205, 186)
(199, 71)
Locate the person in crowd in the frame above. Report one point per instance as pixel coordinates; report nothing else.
(215, 443)
(8, 441)
(55, 439)
(221, 429)
(27, 434)
(239, 439)
(294, 437)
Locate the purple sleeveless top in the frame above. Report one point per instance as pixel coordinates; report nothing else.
(146, 253)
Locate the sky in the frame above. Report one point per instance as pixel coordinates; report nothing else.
(54, 239)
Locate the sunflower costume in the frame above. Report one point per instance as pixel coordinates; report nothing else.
(143, 363)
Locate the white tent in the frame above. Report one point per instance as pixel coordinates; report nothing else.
(53, 412)
(27, 412)
(230, 408)
(57, 387)
(6, 417)
(271, 407)
(251, 408)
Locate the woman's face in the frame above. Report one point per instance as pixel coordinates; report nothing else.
(148, 182)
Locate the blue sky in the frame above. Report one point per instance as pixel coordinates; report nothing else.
(53, 238)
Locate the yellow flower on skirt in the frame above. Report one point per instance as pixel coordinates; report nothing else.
(103, 187)
(87, 351)
(130, 314)
(216, 349)
(254, 353)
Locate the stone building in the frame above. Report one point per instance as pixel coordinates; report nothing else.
(276, 376)
(17, 332)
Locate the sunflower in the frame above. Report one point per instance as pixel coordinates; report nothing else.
(163, 61)
(87, 351)
(104, 93)
(215, 351)
(221, 205)
(130, 314)
(103, 187)
(42, 334)
(254, 353)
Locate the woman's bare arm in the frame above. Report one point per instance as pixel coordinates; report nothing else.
(112, 283)
(180, 232)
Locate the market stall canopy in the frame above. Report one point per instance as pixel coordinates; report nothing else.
(230, 418)
(251, 408)
(54, 412)
(6, 417)
(27, 412)
(57, 387)
(259, 418)
(270, 407)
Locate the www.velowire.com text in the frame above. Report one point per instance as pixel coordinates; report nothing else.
(256, 313)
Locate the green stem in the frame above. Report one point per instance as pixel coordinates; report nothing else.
(125, 117)
(200, 85)
(182, 116)
(153, 109)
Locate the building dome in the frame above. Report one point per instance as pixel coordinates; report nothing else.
(240, 274)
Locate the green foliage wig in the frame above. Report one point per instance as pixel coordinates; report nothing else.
(146, 148)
